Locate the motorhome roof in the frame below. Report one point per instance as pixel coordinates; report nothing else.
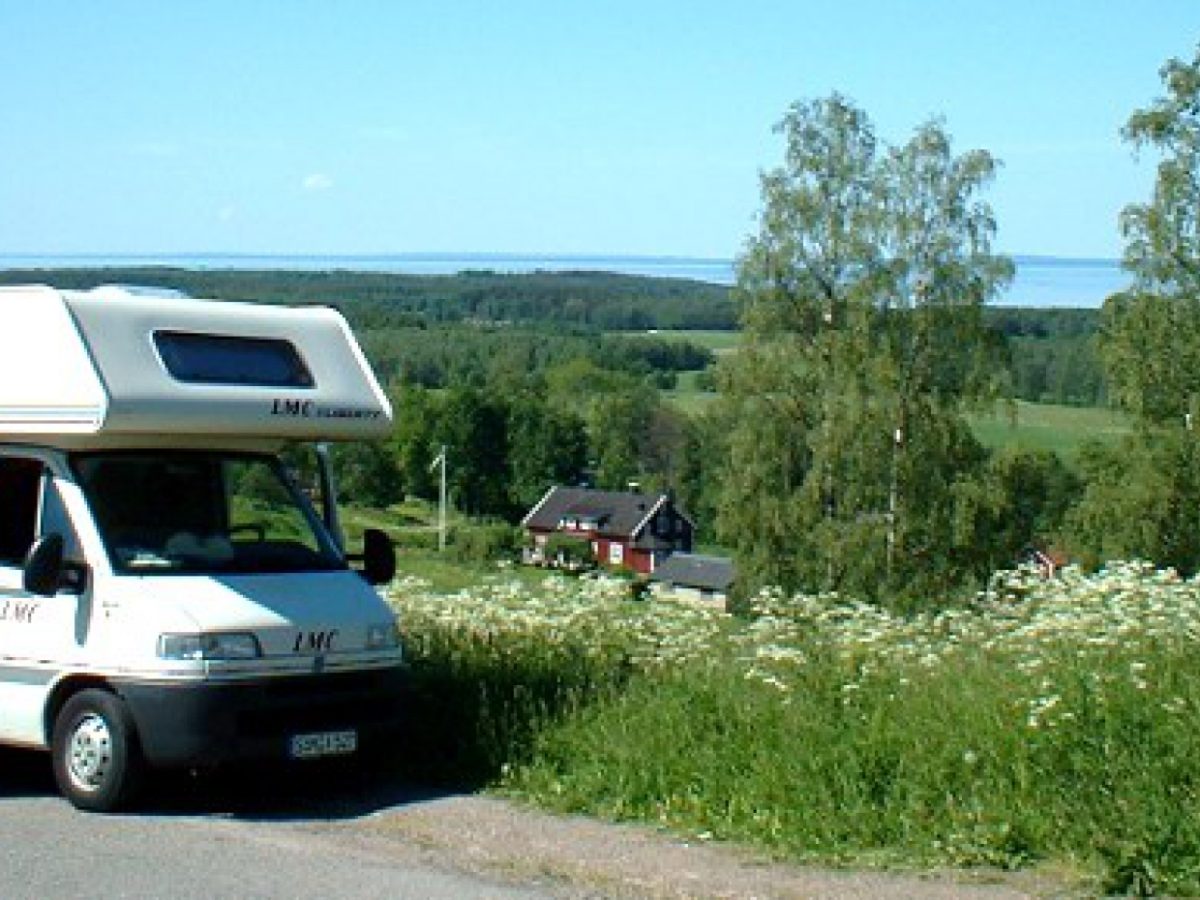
(135, 290)
(111, 364)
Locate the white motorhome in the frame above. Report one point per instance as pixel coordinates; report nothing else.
(169, 596)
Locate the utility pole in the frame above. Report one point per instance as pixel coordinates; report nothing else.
(440, 460)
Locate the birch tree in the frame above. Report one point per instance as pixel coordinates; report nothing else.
(1143, 498)
(861, 298)
(1150, 338)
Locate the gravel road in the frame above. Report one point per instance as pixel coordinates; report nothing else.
(317, 833)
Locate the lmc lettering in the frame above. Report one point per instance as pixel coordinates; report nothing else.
(300, 409)
(315, 641)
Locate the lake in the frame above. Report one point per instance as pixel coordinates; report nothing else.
(1040, 281)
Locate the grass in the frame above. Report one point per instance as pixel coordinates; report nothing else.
(717, 341)
(1033, 426)
(446, 574)
(1053, 722)
(687, 396)
(413, 526)
(1047, 426)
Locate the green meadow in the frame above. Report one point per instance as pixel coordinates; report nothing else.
(1047, 426)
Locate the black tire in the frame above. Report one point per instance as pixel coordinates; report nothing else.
(97, 762)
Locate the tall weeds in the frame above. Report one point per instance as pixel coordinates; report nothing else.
(1050, 720)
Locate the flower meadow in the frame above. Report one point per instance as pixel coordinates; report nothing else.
(1047, 722)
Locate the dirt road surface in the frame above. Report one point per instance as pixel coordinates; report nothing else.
(316, 832)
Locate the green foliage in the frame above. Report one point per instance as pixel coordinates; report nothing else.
(1018, 503)
(415, 411)
(565, 551)
(367, 473)
(1163, 236)
(476, 354)
(1150, 336)
(377, 300)
(504, 450)
(1051, 354)
(1053, 721)
(1150, 344)
(862, 298)
(1142, 501)
(485, 543)
(1143, 497)
(1065, 370)
(473, 426)
(617, 423)
(547, 446)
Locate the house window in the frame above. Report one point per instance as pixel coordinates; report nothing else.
(616, 553)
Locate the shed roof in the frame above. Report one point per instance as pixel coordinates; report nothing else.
(693, 570)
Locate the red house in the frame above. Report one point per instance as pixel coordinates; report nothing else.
(624, 529)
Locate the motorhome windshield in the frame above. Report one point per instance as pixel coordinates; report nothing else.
(202, 513)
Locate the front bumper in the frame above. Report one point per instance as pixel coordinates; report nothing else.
(206, 723)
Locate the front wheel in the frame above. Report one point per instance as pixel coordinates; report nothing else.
(96, 761)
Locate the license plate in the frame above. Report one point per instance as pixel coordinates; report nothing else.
(324, 743)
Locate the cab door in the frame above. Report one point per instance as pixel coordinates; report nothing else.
(40, 636)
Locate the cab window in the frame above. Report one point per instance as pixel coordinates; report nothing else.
(20, 486)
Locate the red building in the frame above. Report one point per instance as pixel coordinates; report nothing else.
(624, 529)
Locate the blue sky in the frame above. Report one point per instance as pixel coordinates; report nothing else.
(537, 127)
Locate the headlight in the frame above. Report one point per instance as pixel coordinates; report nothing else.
(383, 637)
(225, 645)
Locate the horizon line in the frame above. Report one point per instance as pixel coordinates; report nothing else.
(495, 256)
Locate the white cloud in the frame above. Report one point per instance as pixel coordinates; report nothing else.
(317, 181)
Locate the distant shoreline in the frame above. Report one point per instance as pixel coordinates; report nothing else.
(1041, 281)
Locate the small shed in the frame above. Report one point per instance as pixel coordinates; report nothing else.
(695, 577)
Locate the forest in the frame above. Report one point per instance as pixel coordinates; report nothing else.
(440, 330)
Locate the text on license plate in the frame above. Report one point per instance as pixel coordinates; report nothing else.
(324, 743)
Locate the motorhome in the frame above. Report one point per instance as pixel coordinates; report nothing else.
(171, 593)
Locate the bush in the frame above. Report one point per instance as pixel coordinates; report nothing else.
(485, 543)
(1047, 720)
(563, 551)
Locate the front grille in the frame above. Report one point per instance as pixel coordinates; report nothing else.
(286, 706)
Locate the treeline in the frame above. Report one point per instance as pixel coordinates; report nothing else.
(577, 424)
(525, 322)
(1052, 354)
(595, 300)
(441, 355)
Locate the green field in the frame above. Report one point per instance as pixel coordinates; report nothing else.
(1032, 426)
(1047, 426)
(716, 341)
(467, 560)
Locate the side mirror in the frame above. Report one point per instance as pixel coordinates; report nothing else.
(44, 565)
(378, 557)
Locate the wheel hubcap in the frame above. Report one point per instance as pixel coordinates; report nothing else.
(90, 752)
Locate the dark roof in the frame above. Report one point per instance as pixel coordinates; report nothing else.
(616, 513)
(711, 573)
